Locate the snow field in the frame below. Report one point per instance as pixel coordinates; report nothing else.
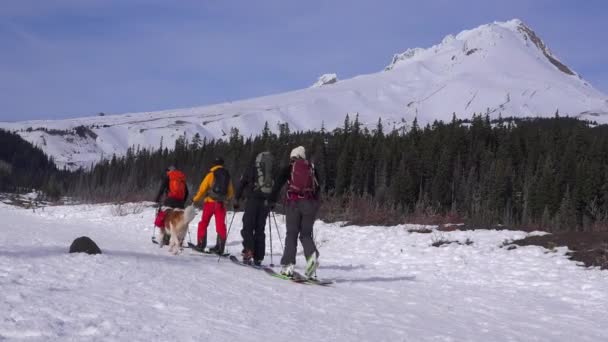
(391, 285)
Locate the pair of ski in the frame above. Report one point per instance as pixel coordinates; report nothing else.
(205, 251)
(296, 277)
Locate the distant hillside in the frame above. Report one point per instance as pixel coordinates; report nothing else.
(502, 68)
(24, 167)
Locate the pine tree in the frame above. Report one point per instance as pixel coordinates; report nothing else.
(566, 219)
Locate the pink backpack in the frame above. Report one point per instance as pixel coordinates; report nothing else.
(302, 180)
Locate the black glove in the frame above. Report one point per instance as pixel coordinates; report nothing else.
(270, 205)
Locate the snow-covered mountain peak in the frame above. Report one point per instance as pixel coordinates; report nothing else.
(494, 38)
(501, 68)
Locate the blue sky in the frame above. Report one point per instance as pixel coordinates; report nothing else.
(70, 58)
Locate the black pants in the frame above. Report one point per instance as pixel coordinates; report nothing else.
(300, 218)
(254, 224)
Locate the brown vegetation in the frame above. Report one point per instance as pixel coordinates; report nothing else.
(590, 248)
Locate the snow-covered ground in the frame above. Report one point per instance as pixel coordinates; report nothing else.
(391, 285)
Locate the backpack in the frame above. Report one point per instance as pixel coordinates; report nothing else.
(302, 180)
(221, 182)
(263, 175)
(177, 185)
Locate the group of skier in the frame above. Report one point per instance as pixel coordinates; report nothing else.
(261, 187)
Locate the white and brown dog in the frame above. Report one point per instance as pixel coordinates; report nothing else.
(176, 225)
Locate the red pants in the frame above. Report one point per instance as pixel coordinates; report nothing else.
(160, 219)
(211, 209)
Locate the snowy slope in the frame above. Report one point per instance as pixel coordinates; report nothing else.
(390, 286)
(503, 68)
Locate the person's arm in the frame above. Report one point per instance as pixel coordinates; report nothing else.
(243, 183)
(163, 188)
(203, 188)
(278, 184)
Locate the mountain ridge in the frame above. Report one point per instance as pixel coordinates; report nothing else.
(501, 68)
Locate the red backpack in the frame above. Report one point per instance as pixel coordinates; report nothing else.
(302, 181)
(177, 185)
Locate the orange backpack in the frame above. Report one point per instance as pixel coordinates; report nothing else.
(177, 185)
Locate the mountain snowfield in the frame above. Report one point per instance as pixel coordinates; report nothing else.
(503, 68)
(390, 285)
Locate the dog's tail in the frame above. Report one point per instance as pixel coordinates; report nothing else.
(189, 214)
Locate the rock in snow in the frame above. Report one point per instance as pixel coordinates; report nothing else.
(325, 79)
(84, 244)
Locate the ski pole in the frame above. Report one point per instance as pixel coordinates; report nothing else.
(270, 228)
(227, 233)
(276, 226)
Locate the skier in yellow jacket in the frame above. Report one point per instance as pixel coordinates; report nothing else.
(216, 189)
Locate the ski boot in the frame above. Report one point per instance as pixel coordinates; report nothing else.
(287, 270)
(247, 256)
(200, 247)
(219, 246)
(312, 263)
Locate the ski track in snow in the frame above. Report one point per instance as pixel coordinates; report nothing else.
(391, 285)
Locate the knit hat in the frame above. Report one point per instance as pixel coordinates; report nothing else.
(298, 152)
(218, 161)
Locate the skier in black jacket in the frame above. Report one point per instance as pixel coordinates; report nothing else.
(174, 198)
(255, 184)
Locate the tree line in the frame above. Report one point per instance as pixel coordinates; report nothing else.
(549, 173)
(24, 167)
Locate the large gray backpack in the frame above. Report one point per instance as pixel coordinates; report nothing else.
(263, 173)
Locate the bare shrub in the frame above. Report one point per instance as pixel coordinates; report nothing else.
(448, 228)
(366, 210)
(124, 209)
(118, 210)
(360, 210)
(420, 230)
(137, 208)
(439, 240)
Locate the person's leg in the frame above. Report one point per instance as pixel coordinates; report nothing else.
(159, 221)
(220, 220)
(220, 227)
(292, 220)
(201, 236)
(309, 214)
(249, 222)
(260, 227)
(308, 210)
